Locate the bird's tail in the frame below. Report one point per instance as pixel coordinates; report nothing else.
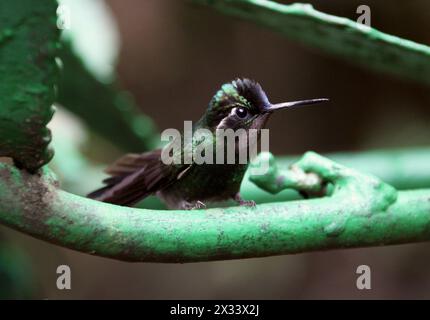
(132, 178)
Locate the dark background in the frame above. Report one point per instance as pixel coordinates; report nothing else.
(174, 56)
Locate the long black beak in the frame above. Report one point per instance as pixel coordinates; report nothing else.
(294, 104)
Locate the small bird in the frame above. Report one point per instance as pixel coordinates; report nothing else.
(240, 104)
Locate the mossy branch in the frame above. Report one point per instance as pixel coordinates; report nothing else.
(339, 36)
(28, 46)
(362, 211)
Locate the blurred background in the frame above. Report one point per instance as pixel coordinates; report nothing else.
(172, 56)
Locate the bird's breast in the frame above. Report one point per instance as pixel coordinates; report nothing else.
(207, 182)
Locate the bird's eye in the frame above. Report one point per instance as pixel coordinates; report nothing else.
(241, 112)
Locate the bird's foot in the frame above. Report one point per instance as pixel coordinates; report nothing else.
(193, 205)
(199, 205)
(247, 203)
(244, 203)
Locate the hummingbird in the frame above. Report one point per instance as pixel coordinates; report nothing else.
(239, 104)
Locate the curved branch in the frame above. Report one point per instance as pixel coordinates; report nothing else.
(372, 214)
(339, 36)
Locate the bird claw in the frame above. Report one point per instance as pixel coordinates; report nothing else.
(247, 203)
(199, 205)
(244, 203)
(193, 206)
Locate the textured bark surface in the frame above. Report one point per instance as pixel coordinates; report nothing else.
(28, 45)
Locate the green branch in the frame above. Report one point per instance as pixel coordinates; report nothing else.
(402, 168)
(357, 209)
(103, 106)
(362, 211)
(28, 43)
(335, 35)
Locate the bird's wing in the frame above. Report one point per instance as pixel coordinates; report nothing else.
(135, 176)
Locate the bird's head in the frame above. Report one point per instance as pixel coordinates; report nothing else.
(242, 103)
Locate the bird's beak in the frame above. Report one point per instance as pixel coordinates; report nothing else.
(294, 104)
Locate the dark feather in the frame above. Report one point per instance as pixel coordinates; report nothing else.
(134, 177)
(252, 92)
